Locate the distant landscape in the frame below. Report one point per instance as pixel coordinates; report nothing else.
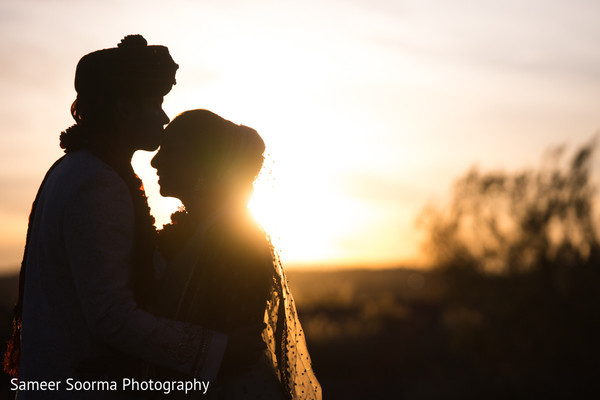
(411, 334)
(370, 333)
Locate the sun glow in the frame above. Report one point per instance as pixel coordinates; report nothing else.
(307, 223)
(286, 90)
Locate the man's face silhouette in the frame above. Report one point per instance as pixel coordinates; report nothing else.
(142, 122)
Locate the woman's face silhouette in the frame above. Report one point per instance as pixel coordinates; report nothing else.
(175, 166)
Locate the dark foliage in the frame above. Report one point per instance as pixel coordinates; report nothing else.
(511, 223)
(520, 255)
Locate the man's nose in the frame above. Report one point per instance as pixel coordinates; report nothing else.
(165, 118)
(154, 161)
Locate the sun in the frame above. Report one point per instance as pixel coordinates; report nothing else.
(307, 223)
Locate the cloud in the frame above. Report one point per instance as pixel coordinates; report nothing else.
(555, 39)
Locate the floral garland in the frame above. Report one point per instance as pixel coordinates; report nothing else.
(175, 234)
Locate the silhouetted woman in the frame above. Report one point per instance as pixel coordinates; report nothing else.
(223, 272)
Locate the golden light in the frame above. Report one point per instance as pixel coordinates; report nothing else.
(307, 223)
(281, 86)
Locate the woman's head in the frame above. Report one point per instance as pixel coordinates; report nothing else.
(119, 92)
(206, 158)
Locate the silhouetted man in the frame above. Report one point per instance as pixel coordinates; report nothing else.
(88, 259)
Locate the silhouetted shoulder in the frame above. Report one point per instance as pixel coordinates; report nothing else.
(77, 169)
(240, 236)
(80, 176)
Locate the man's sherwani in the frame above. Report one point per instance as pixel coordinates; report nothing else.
(78, 305)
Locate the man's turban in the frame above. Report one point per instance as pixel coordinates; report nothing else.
(131, 69)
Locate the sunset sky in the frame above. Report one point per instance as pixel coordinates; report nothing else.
(369, 108)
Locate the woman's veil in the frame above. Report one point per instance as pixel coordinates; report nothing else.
(286, 342)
